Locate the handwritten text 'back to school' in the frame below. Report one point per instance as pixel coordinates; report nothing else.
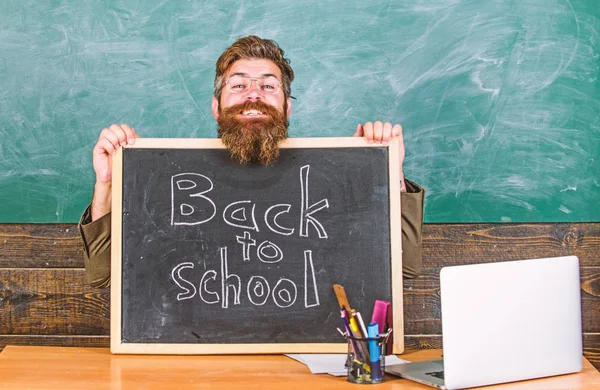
(191, 204)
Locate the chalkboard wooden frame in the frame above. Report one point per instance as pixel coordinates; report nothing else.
(116, 343)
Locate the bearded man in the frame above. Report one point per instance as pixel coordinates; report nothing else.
(251, 104)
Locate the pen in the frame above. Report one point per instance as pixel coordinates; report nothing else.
(346, 323)
(354, 327)
(359, 352)
(360, 322)
(364, 352)
(348, 332)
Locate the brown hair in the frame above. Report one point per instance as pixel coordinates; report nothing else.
(254, 48)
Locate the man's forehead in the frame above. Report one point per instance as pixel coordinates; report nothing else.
(254, 68)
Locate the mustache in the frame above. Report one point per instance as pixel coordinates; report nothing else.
(264, 108)
(252, 140)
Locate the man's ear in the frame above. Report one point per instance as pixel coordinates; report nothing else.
(215, 108)
(289, 108)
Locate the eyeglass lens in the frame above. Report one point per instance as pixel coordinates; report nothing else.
(241, 84)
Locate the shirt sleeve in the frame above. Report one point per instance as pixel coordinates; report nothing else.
(412, 229)
(96, 241)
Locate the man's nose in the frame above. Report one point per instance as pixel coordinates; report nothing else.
(254, 92)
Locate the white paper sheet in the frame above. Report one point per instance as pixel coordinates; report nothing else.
(332, 363)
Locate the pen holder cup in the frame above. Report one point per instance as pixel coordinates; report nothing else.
(365, 362)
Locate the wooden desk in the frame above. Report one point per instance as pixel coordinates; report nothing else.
(95, 368)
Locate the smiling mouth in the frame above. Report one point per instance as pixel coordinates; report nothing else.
(252, 113)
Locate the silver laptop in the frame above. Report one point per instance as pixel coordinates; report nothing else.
(505, 322)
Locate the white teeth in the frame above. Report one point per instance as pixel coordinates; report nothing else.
(252, 112)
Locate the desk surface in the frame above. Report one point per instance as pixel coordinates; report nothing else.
(96, 368)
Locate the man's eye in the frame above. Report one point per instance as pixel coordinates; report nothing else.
(238, 86)
(267, 86)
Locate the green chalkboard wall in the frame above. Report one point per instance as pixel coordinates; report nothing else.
(499, 100)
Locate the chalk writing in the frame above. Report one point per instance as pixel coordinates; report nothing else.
(186, 182)
(191, 206)
(258, 289)
(189, 200)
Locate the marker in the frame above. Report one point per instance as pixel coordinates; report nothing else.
(374, 351)
(382, 314)
(380, 311)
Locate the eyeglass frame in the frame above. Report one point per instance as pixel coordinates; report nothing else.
(255, 80)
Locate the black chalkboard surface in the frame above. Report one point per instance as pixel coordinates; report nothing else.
(210, 256)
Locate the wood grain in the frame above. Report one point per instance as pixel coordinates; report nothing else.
(452, 244)
(40, 246)
(96, 368)
(59, 246)
(58, 301)
(51, 301)
(55, 340)
(44, 298)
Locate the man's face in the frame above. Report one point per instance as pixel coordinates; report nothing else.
(252, 122)
(254, 69)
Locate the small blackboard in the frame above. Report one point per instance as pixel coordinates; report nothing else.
(211, 256)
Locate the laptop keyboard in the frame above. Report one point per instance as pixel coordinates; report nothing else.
(437, 374)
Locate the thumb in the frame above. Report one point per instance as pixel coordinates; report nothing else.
(359, 131)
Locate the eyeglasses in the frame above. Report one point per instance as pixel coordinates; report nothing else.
(240, 84)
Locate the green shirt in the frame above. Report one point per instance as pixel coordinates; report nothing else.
(96, 238)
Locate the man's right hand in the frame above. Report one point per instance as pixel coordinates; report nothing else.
(111, 139)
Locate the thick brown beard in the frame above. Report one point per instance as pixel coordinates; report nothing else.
(252, 140)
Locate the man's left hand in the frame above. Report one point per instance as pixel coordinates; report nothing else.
(378, 132)
(382, 133)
